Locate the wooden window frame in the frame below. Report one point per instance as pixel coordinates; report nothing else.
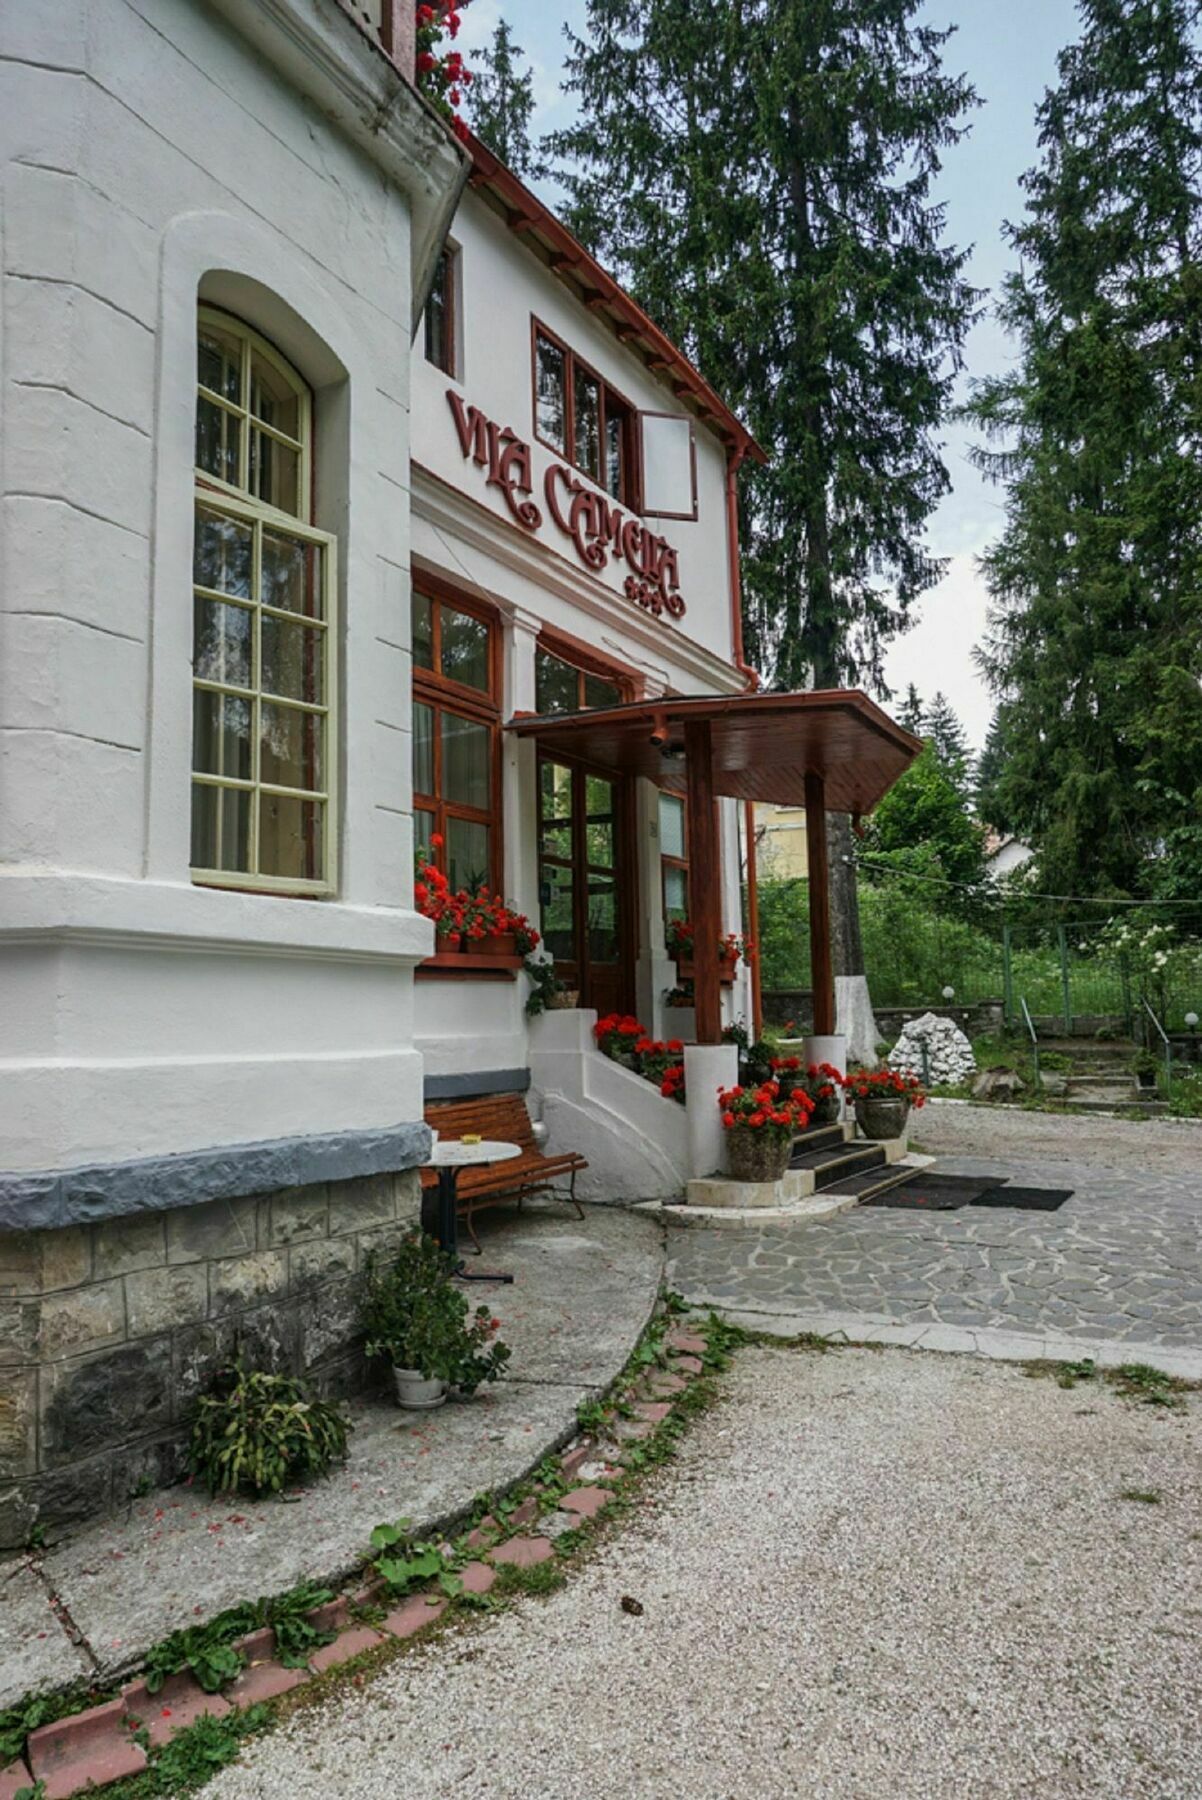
(631, 498)
(443, 694)
(586, 662)
(652, 512)
(238, 502)
(451, 368)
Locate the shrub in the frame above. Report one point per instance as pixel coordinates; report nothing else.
(413, 1314)
(260, 1432)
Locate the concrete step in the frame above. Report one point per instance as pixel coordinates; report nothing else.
(869, 1182)
(859, 1160)
(1098, 1084)
(824, 1137)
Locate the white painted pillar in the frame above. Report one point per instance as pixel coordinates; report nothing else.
(831, 1050)
(519, 769)
(707, 1067)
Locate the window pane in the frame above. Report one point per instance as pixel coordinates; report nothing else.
(423, 831)
(290, 837)
(468, 864)
(221, 642)
(220, 828)
(555, 809)
(222, 553)
(676, 892)
(465, 762)
(290, 746)
(292, 575)
(274, 473)
(671, 825)
(218, 441)
(220, 735)
(602, 919)
(465, 649)
(558, 923)
(219, 362)
(556, 684)
(439, 317)
(587, 393)
(550, 390)
(423, 630)
(598, 692)
(272, 397)
(423, 748)
(614, 458)
(599, 824)
(292, 659)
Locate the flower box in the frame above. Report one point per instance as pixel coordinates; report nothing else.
(686, 970)
(493, 943)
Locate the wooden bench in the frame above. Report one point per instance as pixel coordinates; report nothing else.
(502, 1118)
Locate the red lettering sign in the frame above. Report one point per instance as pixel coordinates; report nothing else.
(598, 529)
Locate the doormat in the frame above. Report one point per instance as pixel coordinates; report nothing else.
(1024, 1199)
(934, 1193)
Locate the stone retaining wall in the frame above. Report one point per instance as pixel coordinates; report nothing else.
(107, 1331)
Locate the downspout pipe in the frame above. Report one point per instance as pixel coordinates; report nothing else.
(751, 680)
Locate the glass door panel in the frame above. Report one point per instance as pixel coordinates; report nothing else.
(582, 883)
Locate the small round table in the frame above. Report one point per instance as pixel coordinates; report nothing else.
(439, 1216)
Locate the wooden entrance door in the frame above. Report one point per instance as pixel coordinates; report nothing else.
(586, 881)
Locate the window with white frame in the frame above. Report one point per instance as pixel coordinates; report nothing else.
(263, 668)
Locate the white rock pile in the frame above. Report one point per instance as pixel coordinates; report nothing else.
(949, 1053)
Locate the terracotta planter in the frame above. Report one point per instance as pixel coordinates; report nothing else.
(448, 941)
(417, 1392)
(882, 1116)
(757, 1155)
(496, 943)
(564, 1002)
(686, 970)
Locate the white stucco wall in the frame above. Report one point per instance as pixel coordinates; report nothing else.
(151, 157)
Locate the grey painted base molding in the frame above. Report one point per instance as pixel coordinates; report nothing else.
(39, 1200)
(467, 1087)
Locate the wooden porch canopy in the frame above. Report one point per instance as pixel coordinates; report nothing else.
(829, 751)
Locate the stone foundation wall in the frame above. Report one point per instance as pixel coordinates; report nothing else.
(107, 1331)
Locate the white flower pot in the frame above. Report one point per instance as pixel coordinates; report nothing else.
(417, 1392)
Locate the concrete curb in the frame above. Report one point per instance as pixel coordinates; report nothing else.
(994, 1342)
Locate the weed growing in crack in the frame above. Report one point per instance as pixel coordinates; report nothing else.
(1145, 1496)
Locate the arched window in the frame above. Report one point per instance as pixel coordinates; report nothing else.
(263, 744)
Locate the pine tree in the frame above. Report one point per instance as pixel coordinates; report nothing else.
(912, 712)
(1096, 625)
(759, 172)
(500, 104)
(990, 773)
(948, 740)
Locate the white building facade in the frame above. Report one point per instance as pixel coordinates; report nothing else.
(574, 547)
(218, 226)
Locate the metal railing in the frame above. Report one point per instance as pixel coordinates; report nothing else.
(1168, 1050)
(1032, 1034)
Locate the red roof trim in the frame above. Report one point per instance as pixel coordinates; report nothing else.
(526, 214)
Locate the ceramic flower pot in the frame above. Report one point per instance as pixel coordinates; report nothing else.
(757, 1155)
(417, 1392)
(826, 1112)
(882, 1115)
(564, 1001)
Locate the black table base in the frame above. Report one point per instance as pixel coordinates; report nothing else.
(440, 1219)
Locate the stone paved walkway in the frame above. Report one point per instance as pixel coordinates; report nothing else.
(1120, 1261)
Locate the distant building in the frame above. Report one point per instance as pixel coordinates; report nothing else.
(1005, 854)
(781, 842)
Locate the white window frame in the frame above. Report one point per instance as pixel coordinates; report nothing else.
(238, 503)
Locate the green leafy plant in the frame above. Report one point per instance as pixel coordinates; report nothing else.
(33, 1710)
(258, 1431)
(201, 1649)
(405, 1564)
(1148, 1385)
(545, 985)
(413, 1315)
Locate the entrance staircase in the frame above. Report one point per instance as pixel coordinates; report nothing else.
(846, 1165)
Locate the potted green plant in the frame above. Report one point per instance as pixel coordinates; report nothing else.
(413, 1314)
(547, 992)
(883, 1099)
(760, 1126)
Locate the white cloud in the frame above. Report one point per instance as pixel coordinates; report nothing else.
(937, 651)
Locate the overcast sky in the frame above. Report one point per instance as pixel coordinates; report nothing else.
(1008, 49)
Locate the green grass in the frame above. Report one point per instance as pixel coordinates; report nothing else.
(1144, 1496)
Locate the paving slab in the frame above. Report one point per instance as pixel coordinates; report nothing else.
(36, 1651)
(583, 1293)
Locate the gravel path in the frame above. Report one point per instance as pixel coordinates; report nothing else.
(869, 1576)
(1143, 1146)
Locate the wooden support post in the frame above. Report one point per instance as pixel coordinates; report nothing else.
(822, 978)
(753, 922)
(705, 881)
